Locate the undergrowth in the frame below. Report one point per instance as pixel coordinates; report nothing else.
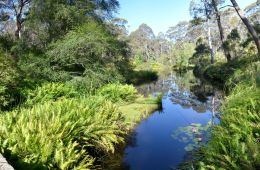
(234, 143)
(59, 128)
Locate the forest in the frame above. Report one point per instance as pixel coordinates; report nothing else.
(71, 72)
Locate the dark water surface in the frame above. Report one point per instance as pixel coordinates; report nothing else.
(164, 139)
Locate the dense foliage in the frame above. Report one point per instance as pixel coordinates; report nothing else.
(235, 142)
(60, 134)
(9, 78)
(63, 65)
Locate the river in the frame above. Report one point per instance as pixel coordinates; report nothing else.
(166, 138)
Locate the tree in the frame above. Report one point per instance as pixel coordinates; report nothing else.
(204, 9)
(178, 32)
(82, 49)
(220, 27)
(49, 20)
(15, 10)
(250, 28)
(142, 41)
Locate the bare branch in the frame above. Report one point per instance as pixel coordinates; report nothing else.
(226, 6)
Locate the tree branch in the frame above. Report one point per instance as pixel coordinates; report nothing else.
(226, 6)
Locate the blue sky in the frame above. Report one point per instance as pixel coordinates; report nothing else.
(158, 14)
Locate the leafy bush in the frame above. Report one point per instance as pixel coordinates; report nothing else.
(118, 92)
(141, 77)
(223, 71)
(94, 78)
(9, 78)
(38, 68)
(89, 44)
(251, 76)
(61, 134)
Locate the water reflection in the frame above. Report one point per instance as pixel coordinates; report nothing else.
(163, 141)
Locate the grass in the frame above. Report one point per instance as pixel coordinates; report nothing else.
(141, 108)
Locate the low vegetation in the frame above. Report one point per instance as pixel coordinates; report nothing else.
(60, 129)
(234, 143)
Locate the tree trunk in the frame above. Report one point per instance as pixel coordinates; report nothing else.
(221, 30)
(210, 44)
(250, 28)
(18, 30)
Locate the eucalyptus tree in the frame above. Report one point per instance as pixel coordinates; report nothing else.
(142, 42)
(52, 19)
(215, 4)
(178, 32)
(15, 10)
(202, 10)
(55, 16)
(247, 23)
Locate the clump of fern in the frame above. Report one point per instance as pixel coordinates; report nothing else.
(61, 134)
(118, 92)
(49, 92)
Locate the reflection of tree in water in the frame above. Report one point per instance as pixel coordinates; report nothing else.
(190, 92)
(162, 86)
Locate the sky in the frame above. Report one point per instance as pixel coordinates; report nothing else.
(158, 14)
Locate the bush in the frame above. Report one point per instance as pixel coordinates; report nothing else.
(61, 134)
(38, 68)
(94, 78)
(118, 92)
(9, 81)
(88, 45)
(223, 71)
(141, 77)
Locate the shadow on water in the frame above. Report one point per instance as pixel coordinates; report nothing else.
(142, 77)
(165, 139)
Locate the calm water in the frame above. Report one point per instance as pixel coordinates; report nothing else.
(164, 139)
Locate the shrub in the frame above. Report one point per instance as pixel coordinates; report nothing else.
(9, 80)
(141, 77)
(83, 47)
(118, 92)
(94, 78)
(61, 134)
(38, 68)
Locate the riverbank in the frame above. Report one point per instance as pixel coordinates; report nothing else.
(57, 127)
(234, 143)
